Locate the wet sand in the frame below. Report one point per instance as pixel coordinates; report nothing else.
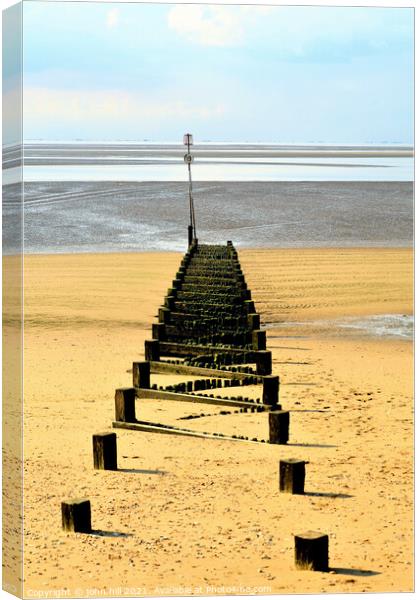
(205, 516)
(121, 216)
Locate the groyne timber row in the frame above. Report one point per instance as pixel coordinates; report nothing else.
(208, 329)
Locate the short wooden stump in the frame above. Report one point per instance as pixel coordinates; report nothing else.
(75, 515)
(105, 451)
(292, 476)
(311, 551)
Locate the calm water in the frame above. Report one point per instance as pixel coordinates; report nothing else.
(212, 162)
(384, 326)
(132, 197)
(138, 216)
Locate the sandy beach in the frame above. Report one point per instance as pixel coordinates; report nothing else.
(205, 517)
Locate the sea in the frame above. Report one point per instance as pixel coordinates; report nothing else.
(117, 197)
(131, 197)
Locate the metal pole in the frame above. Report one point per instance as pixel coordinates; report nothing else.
(190, 182)
(192, 234)
(192, 214)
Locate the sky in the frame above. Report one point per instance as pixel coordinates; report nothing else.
(97, 71)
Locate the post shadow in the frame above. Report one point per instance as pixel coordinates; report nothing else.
(304, 383)
(104, 533)
(356, 572)
(291, 362)
(328, 495)
(143, 471)
(309, 410)
(312, 445)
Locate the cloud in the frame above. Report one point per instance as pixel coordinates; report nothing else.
(207, 25)
(112, 17)
(74, 106)
(294, 31)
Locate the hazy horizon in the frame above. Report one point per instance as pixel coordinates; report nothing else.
(173, 142)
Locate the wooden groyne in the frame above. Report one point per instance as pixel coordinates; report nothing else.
(207, 328)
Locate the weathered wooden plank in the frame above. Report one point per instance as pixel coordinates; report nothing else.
(161, 367)
(179, 349)
(151, 428)
(193, 398)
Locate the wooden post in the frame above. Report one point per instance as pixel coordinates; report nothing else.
(158, 331)
(169, 302)
(75, 515)
(164, 315)
(177, 283)
(292, 476)
(311, 551)
(263, 362)
(125, 409)
(105, 451)
(279, 426)
(259, 340)
(253, 321)
(271, 386)
(250, 306)
(151, 350)
(141, 374)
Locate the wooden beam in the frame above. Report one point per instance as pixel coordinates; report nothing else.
(161, 367)
(193, 398)
(179, 349)
(151, 428)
